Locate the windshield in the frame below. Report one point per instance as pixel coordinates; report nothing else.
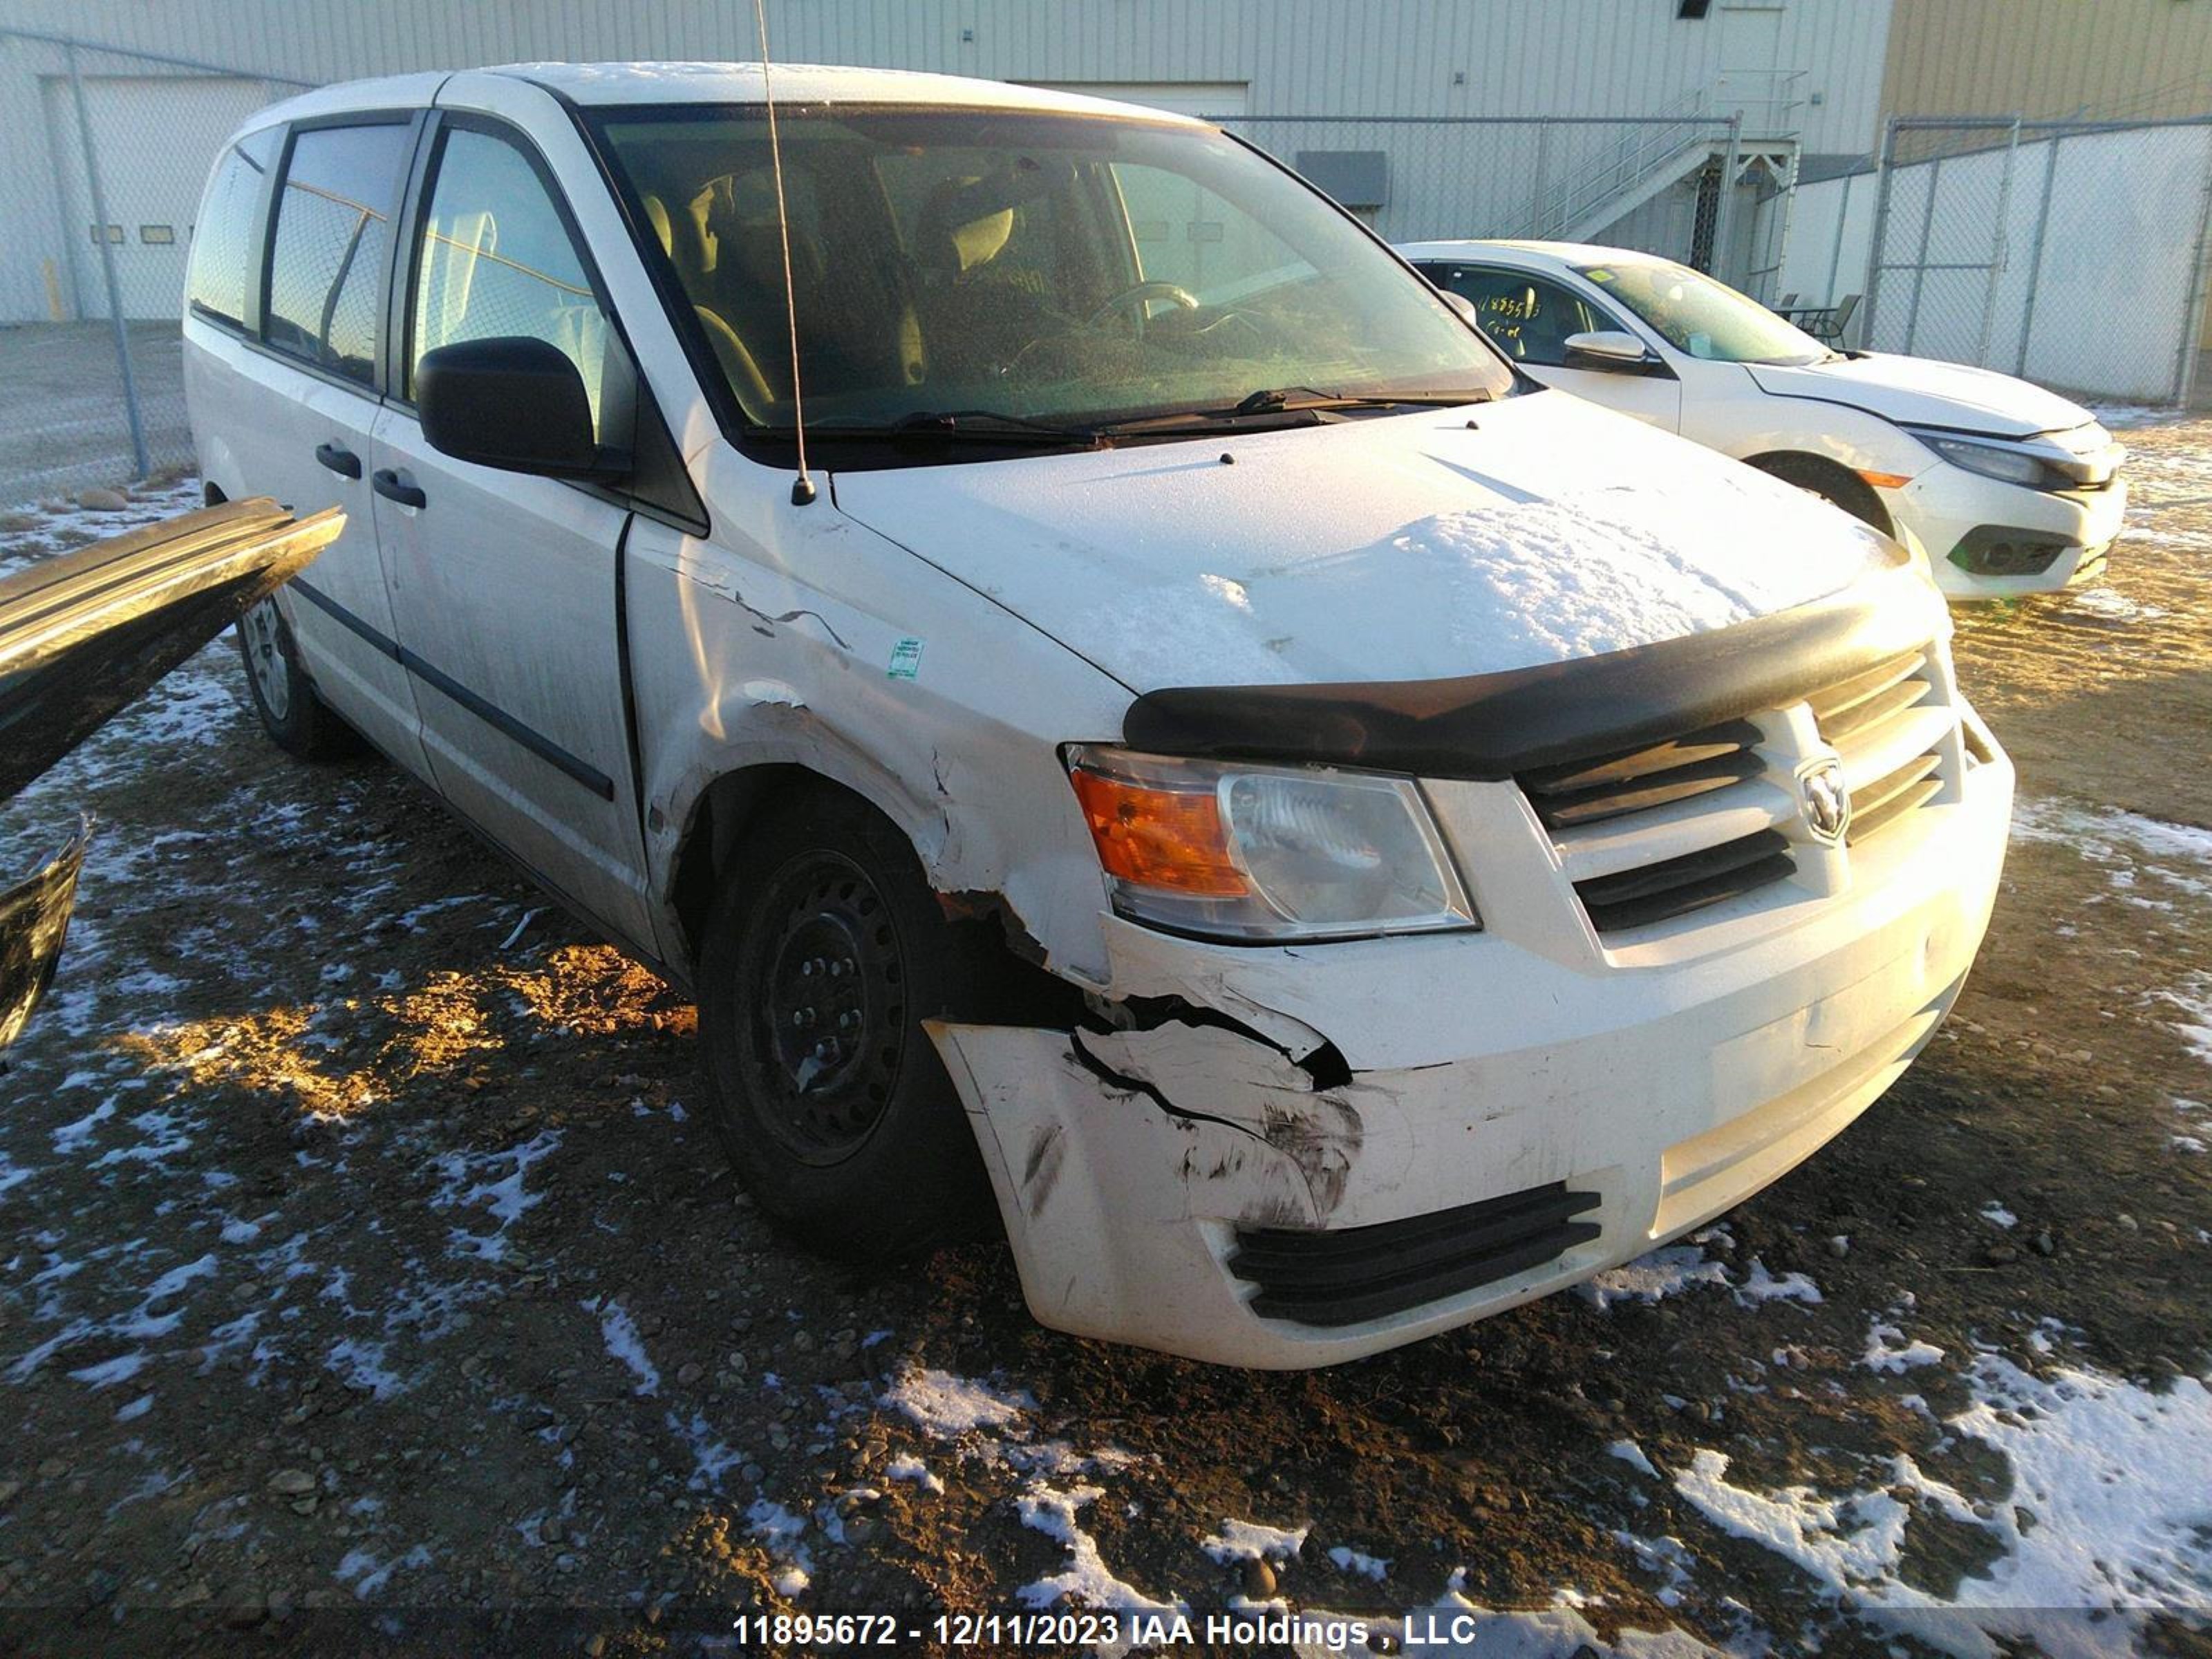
(1705, 318)
(1064, 271)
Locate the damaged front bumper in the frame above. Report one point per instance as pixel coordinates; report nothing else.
(1323, 1151)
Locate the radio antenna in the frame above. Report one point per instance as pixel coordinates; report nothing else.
(802, 487)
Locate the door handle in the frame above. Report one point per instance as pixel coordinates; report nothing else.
(340, 460)
(386, 483)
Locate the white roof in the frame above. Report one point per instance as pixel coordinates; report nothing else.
(1577, 253)
(805, 83)
(387, 92)
(715, 83)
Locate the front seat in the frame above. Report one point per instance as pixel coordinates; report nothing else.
(978, 310)
(692, 249)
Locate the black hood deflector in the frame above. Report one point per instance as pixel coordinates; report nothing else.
(1493, 726)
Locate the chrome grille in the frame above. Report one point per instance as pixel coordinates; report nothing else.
(1653, 832)
(1662, 831)
(1889, 725)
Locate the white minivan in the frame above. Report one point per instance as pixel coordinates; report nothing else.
(1334, 838)
(2009, 488)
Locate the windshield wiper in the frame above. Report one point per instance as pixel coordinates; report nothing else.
(980, 426)
(1297, 400)
(985, 426)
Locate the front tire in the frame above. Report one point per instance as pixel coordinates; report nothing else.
(821, 960)
(291, 712)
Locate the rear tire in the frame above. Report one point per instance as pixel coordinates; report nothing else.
(1832, 482)
(821, 960)
(291, 712)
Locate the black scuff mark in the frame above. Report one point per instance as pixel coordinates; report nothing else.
(1041, 1172)
(1323, 1154)
(784, 620)
(1137, 1085)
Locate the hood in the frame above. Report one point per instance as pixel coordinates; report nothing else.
(1921, 392)
(1436, 543)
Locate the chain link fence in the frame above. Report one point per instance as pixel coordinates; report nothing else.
(110, 151)
(2071, 253)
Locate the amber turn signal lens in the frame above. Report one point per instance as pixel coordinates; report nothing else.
(1885, 480)
(1166, 838)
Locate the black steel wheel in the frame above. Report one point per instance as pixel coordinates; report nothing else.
(830, 1032)
(825, 951)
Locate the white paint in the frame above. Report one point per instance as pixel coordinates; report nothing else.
(1396, 548)
(1527, 532)
(1843, 409)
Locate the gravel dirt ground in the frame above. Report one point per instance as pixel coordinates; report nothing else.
(367, 1279)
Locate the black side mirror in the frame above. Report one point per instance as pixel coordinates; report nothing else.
(515, 403)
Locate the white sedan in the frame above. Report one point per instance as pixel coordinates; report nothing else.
(2009, 488)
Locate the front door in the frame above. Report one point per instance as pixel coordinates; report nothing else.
(1529, 318)
(504, 585)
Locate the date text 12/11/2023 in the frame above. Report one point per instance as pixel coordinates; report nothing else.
(1163, 1630)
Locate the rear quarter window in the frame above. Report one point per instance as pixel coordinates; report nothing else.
(331, 244)
(222, 236)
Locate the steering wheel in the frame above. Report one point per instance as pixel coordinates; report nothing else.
(1140, 293)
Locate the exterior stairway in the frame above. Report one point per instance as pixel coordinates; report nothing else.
(1693, 131)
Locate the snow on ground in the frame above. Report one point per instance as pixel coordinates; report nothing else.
(624, 1343)
(781, 1533)
(2149, 864)
(1347, 1559)
(946, 1405)
(2108, 1508)
(2193, 997)
(1249, 1540)
(1453, 1626)
(1087, 1578)
(1887, 1349)
(1672, 1269)
(905, 1466)
(1667, 1270)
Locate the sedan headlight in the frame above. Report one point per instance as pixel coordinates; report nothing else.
(1994, 459)
(1262, 852)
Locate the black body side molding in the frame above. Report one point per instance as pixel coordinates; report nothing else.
(1493, 726)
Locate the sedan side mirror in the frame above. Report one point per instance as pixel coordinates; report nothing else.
(514, 402)
(1465, 306)
(1614, 350)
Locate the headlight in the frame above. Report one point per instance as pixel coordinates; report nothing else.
(1995, 460)
(1244, 852)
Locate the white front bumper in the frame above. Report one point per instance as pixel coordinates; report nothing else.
(1672, 1081)
(1945, 503)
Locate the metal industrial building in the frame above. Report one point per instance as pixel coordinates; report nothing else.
(1585, 118)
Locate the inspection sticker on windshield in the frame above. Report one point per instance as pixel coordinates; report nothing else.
(906, 659)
